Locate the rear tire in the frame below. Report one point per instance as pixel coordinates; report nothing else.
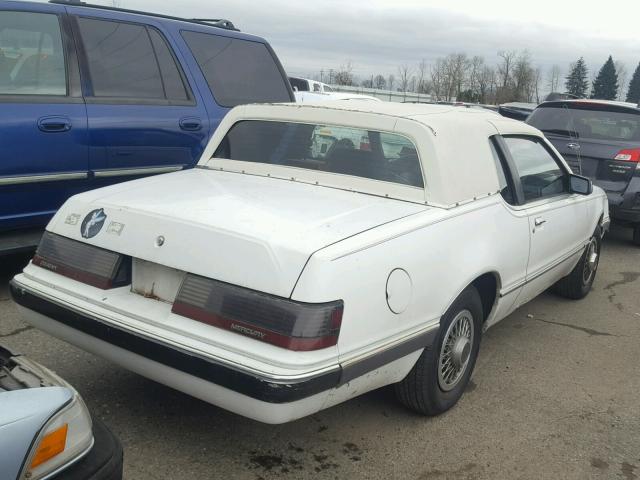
(636, 235)
(578, 283)
(441, 374)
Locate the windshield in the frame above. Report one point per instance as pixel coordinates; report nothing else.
(363, 153)
(587, 123)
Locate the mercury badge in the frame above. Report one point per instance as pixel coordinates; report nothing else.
(92, 223)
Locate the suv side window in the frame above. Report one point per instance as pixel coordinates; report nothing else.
(171, 77)
(127, 60)
(540, 174)
(31, 54)
(237, 71)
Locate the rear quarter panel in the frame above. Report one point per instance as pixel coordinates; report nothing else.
(443, 251)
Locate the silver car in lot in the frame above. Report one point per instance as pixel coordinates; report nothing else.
(46, 431)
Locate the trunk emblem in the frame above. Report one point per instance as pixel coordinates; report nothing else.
(159, 241)
(72, 219)
(92, 223)
(115, 228)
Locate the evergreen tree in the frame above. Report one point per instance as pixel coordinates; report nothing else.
(633, 95)
(577, 83)
(605, 86)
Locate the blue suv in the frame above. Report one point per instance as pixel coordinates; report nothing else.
(91, 96)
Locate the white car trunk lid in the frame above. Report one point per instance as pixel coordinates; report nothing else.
(246, 230)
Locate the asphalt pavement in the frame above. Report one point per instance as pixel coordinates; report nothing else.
(555, 394)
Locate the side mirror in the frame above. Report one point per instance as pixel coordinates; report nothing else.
(580, 185)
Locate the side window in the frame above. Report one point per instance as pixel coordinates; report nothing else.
(237, 71)
(539, 173)
(171, 77)
(31, 54)
(316, 87)
(129, 61)
(506, 189)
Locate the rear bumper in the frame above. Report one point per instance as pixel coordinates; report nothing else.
(262, 397)
(103, 462)
(624, 215)
(624, 207)
(263, 388)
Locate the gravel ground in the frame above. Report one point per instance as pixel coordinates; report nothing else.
(554, 395)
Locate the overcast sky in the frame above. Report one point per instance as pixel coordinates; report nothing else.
(379, 35)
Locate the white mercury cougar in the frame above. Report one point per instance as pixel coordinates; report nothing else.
(319, 252)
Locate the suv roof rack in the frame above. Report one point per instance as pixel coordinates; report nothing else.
(210, 22)
(216, 22)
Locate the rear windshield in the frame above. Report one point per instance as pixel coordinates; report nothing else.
(588, 123)
(237, 71)
(344, 150)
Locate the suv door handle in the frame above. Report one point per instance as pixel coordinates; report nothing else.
(54, 124)
(573, 146)
(539, 221)
(190, 124)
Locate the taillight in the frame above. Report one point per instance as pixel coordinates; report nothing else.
(82, 262)
(275, 320)
(629, 155)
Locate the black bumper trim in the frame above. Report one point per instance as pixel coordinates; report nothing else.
(103, 462)
(253, 385)
(624, 215)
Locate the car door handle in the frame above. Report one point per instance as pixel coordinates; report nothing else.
(54, 124)
(190, 124)
(573, 146)
(539, 221)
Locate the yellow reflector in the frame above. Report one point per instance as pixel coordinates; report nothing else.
(51, 445)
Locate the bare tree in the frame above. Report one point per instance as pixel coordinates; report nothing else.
(404, 77)
(486, 84)
(438, 82)
(367, 82)
(505, 67)
(476, 65)
(554, 78)
(523, 77)
(460, 68)
(390, 81)
(450, 74)
(344, 75)
(421, 73)
(623, 75)
(535, 84)
(379, 82)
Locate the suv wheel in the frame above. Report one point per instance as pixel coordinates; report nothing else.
(636, 235)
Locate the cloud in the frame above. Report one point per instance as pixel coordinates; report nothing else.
(380, 35)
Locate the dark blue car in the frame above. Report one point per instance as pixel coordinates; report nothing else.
(91, 96)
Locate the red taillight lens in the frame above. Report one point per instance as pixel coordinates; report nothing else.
(629, 155)
(85, 263)
(279, 321)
